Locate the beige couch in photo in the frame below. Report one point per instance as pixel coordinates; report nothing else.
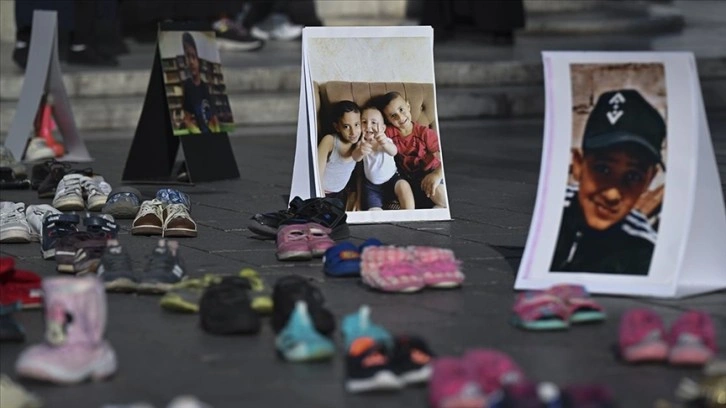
(419, 95)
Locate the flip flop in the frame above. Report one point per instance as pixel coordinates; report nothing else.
(581, 306)
(539, 310)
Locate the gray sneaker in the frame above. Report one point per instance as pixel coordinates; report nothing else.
(14, 227)
(164, 268)
(7, 160)
(115, 270)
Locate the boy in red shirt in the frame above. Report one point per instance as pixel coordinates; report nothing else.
(419, 155)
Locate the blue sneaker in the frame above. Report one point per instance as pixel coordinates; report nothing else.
(342, 260)
(299, 342)
(174, 196)
(359, 324)
(123, 202)
(55, 227)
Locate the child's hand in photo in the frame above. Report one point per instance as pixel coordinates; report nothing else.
(430, 183)
(380, 139)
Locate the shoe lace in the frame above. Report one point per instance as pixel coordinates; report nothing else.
(12, 216)
(151, 207)
(176, 210)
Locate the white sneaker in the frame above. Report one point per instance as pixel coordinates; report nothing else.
(35, 214)
(13, 225)
(38, 150)
(96, 190)
(69, 193)
(277, 27)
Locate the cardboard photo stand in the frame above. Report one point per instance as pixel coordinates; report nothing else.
(153, 153)
(361, 65)
(689, 233)
(43, 77)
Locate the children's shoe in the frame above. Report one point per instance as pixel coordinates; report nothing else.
(692, 339)
(74, 348)
(14, 226)
(55, 227)
(390, 269)
(438, 266)
(452, 386)
(260, 293)
(96, 192)
(174, 196)
(150, 219)
(178, 222)
(287, 291)
(13, 395)
(539, 310)
(123, 203)
(88, 256)
(328, 212)
(35, 214)
(582, 308)
(411, 359)
(69, 193)
(292, 243)
(103, 225)
(359, 324)
(115, 269)
(492, 370)
(164, 268)
(299, 341)
(368, 367)
(225, 308)
(67, 246)
(642, 337)
(8, 160)
(318, 239)
(342, 260)
(38, 150)
(19, 286)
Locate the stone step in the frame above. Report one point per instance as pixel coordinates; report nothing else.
(280, 107)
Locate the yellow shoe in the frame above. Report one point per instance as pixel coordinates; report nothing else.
(184, 296)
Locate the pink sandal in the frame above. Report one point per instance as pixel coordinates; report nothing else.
(318, 239)
(642, 337)
(292, 243)
(692, 339)
(390, 269)
(581, 307)
(439, 267)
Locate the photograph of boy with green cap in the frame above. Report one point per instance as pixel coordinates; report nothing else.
(601, 231)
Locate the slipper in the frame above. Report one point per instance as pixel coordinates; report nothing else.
(492, 370)
(452, 386)
(581, 307)
(439, 267)
(692, 339)
(642, 337)
(342, 260)
(539, 310)
(390, 269)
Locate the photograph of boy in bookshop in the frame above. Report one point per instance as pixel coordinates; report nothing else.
(199, 112)
(604, 228)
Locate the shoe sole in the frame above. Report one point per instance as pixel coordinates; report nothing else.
(97, 203)
(66, 268)
(121, 285)
(228, 45)
(70, 204)
(102, 369)
(294, 256)
(421, 375)
(381, 381)
(180, 233)
(147, 230)
(14, 237)
(153, 288)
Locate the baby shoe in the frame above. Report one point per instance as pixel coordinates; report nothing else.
(411, 359)
(174, 196)
(492, 370)
(292, 243)
(123, 202)
(642, 337)
(452, 386)
(342, 259)
(318, 239)
(359, 324)
(692, 339)
(582, 308)
(368, 367)
(390, 269)
(438, 266)
(178, 222)
(539, 310)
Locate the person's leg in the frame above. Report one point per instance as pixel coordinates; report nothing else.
(373, 196)
(404, 195)
(439, 197)
(24, 10)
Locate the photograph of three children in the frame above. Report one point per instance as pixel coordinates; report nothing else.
(376, 137)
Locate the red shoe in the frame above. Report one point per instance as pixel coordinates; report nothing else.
(46, 126)
(19, 286)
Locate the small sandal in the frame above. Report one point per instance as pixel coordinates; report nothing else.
(642, 337)
(539, 310)
(390, 269)
(581, 306)
(342, 260)
(692, 339)
(439, 267)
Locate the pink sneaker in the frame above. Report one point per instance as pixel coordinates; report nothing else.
(439, 267)
(692, 339)
(74, 348)
(451, 386)
(292, 243)
(642, 336)
(319, 239)
(390, 269)
(492, 370)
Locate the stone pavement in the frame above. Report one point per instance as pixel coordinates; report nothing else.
(492, 171)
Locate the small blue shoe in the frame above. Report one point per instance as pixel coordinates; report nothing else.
(342, 260)
(174, 196)
(299, 342)
(369, 242)
(359, 324)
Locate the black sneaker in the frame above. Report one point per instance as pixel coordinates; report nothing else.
(411, 359)
(10, 329)
(287, 291)
(67, 246)
(328, 212)
(88, 256)
(55, 227)
(368, 367)
(231, 37)
(115, 270)
(225, 308)
(164, 268)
